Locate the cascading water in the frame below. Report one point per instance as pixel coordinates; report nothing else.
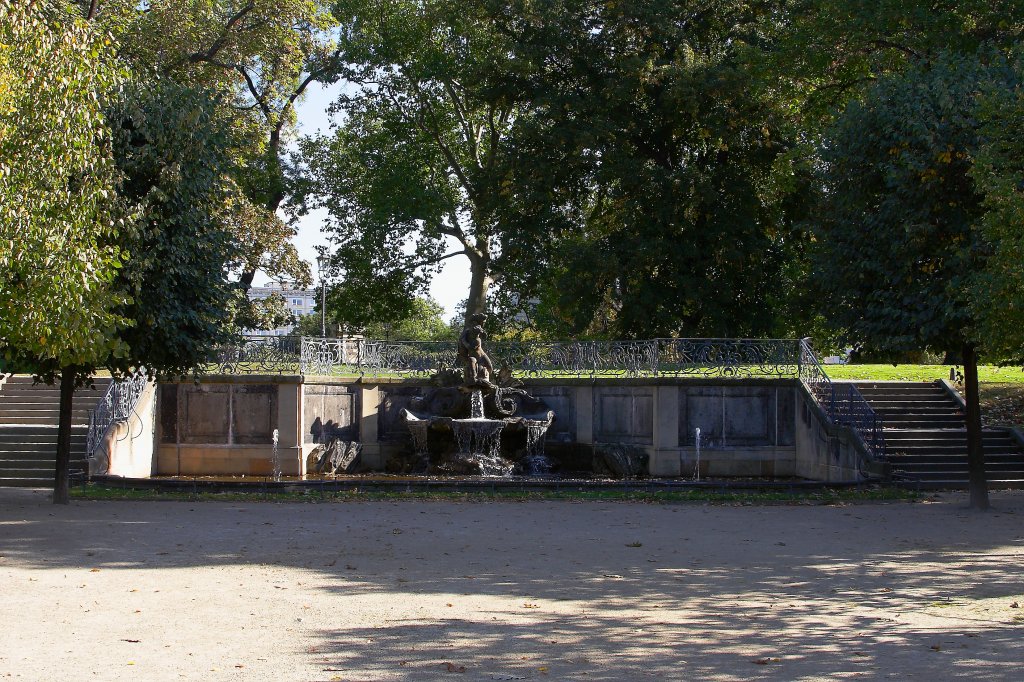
(275, 461)
(479, 441)
(476, 404)
(697, 441)
(536, 462)
(418, 429)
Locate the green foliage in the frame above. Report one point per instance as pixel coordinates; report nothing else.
(410, 176)
(831, 51)
(259, 57)
(173, 150)
(897, 244)
(426, 323)
(997, 294)
(653, 182)
(58, 214)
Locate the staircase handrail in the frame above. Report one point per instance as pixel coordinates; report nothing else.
(843, 404)
(116, 406)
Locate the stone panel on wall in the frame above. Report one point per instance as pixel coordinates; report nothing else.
(168, 413)
(393, 400)
(329, 412)
(624, 415)
(749, 416)
(203, 414)
(700, 406)
(254, 414)
(561, 400)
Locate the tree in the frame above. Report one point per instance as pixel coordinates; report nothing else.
(425, 324)
(898, 247)
(58, 215)
(415, 164)
(997, 294)
(173, 150)
(261, 56)
(653, 183)
(832, 51)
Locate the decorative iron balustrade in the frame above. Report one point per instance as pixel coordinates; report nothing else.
(326, 357)
(713, 358)
(259, 355)
(116, 406)
(728, 358)
(843, 403)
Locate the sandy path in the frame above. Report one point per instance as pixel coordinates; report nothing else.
(508, 591)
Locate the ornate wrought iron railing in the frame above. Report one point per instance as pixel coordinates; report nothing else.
(843, 403)
(721, 358)
(116, 406)
(258, 355)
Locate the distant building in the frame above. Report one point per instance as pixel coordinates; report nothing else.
(300, 302)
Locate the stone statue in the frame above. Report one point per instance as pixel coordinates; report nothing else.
(474, 358)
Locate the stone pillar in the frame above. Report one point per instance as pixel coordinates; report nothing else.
(368, 415)
(289, 429)
(665, 451)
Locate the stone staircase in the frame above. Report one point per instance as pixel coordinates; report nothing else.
(28, 430)
(926, 437)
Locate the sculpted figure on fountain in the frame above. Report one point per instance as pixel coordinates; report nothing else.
(475, 361)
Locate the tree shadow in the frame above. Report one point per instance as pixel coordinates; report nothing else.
(604, 591)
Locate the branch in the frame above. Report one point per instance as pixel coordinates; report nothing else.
(222, 39)
(467, 129)
(256, 94)
(313, 75)
(895, 46)
(457, 232)
(432, 261)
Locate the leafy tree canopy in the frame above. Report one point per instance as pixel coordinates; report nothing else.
(259, 56)
(897, 245)
(652, 183)
(411, 175)
(58, 215)
(997, 294)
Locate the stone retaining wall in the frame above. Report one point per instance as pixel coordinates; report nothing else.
(749, 427)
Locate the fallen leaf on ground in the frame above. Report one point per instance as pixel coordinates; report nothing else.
(452, 668)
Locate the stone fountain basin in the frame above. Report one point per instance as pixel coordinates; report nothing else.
(434, 421)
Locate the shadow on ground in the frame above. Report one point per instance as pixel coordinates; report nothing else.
(602, 591)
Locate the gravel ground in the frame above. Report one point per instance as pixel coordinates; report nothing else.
(423, 590)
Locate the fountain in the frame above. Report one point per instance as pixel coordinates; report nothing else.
(478, 436)
(697, 441)
(275, 460)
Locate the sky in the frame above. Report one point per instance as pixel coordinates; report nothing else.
(448, 288)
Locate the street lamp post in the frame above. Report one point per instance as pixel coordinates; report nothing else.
(321, 260)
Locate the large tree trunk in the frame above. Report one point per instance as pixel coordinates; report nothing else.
(60, 476)
(977, 484)
(479, 282)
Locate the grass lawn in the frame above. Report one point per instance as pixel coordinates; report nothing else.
(1001, 389)
(986, 373)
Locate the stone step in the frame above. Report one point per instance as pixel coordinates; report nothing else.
(12, 414)
(959, 454)
(940, 463)
(959, 484)
(25, 482)
(917, 408)
(912, 404)
(961, 475)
